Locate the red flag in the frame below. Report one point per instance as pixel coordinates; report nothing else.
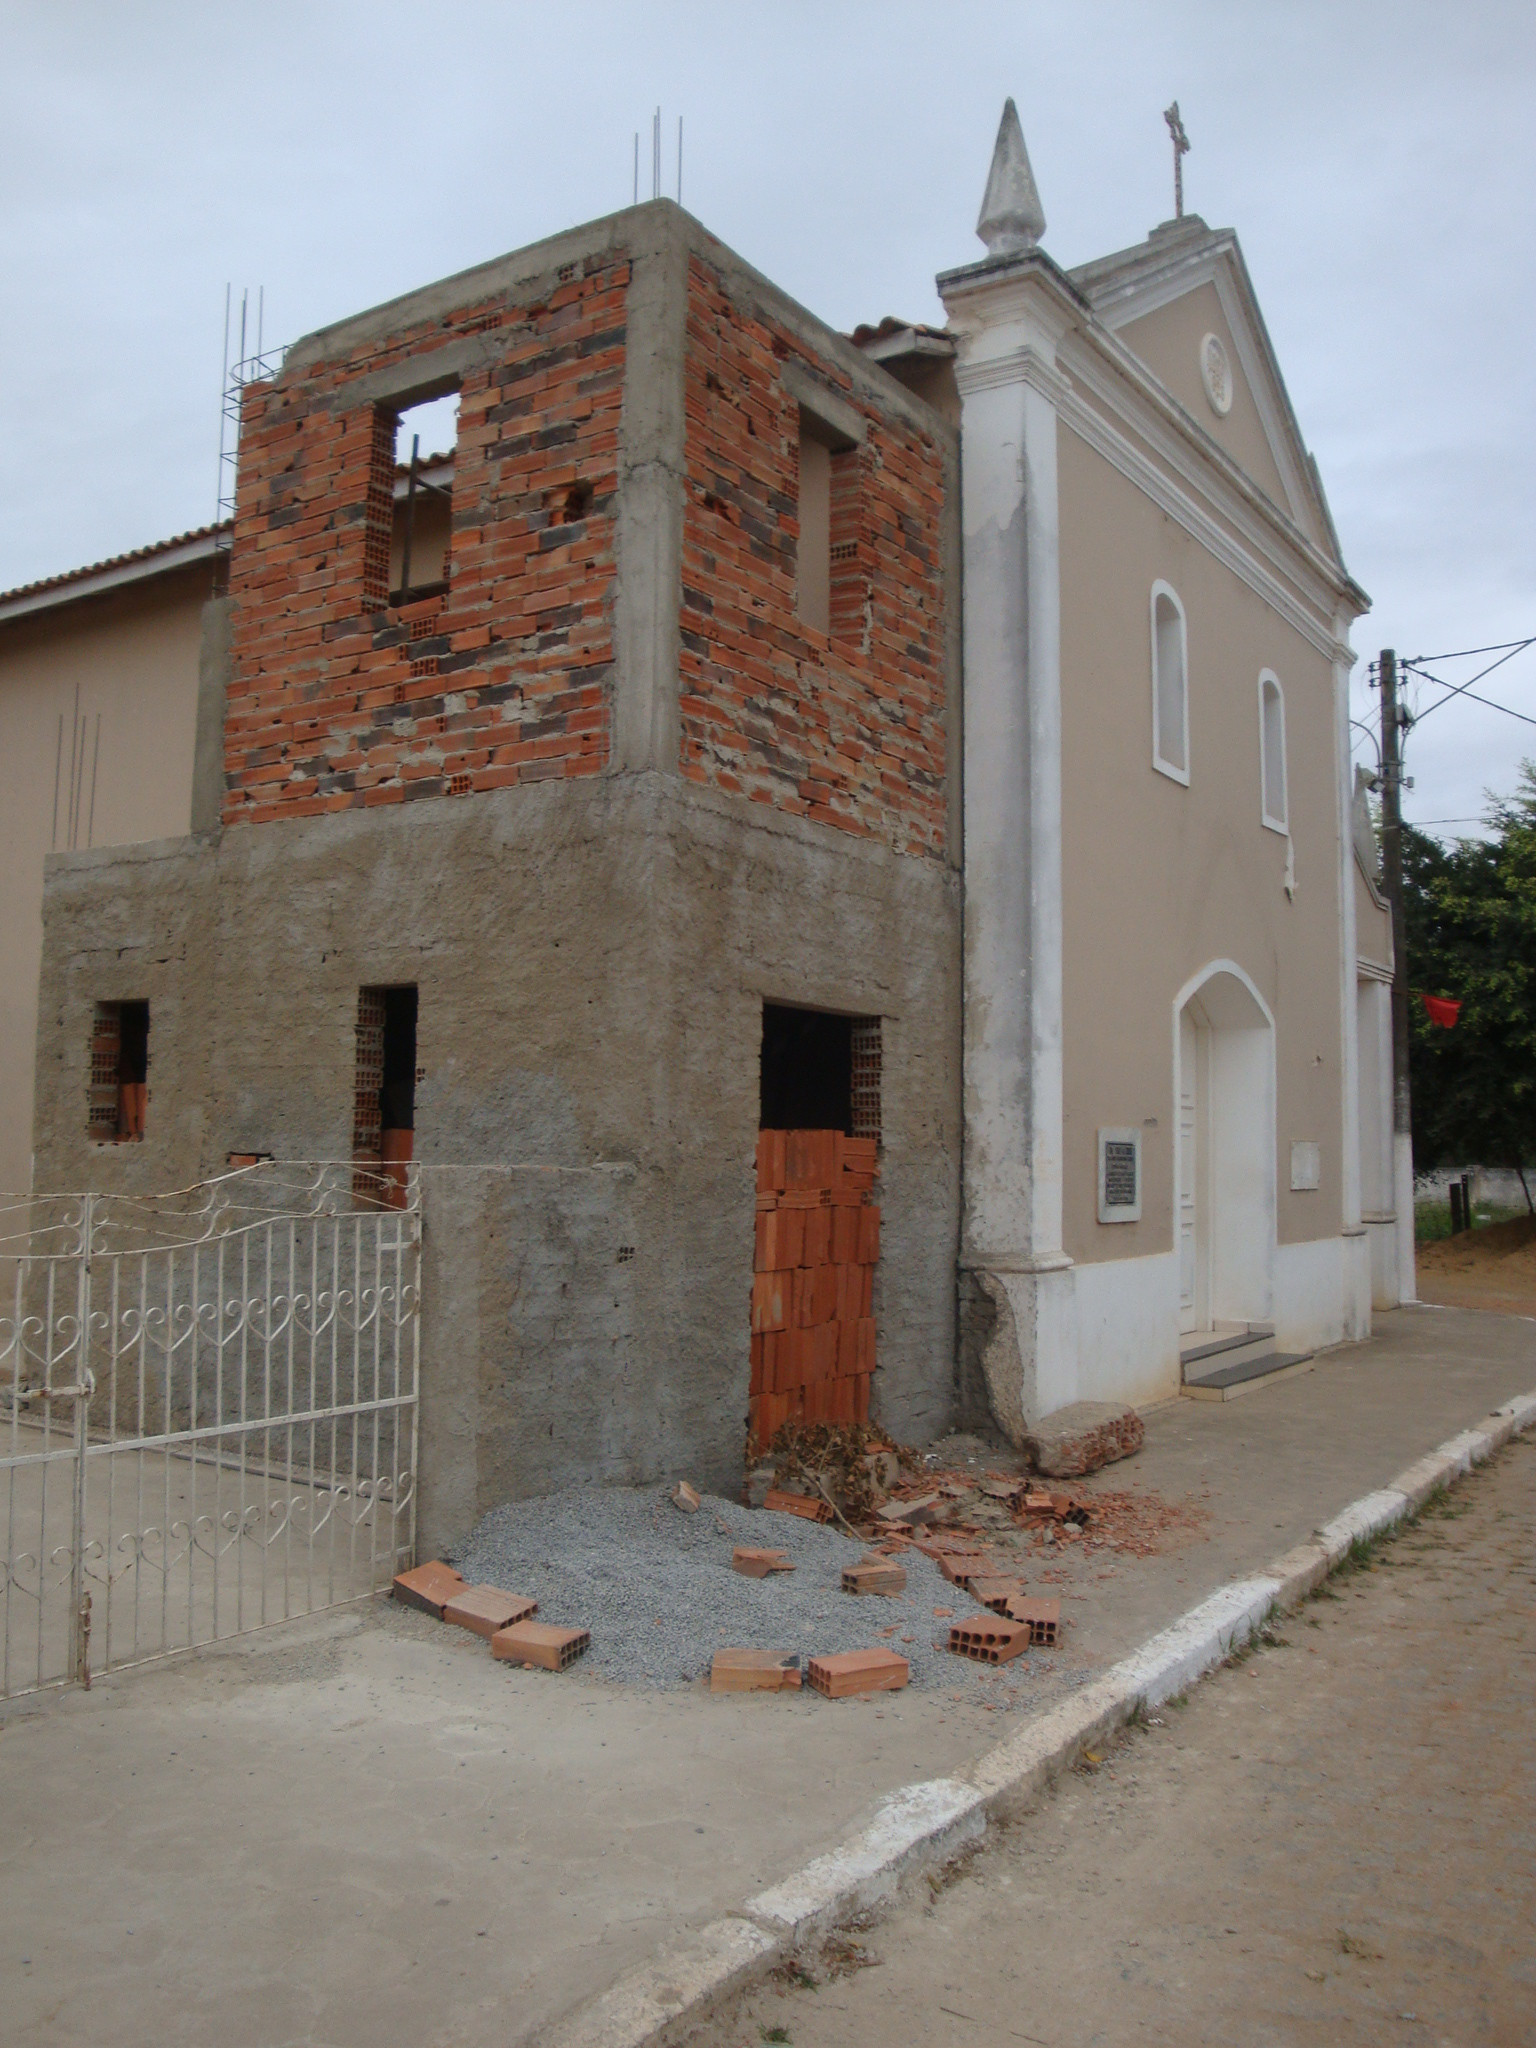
(1442, 1009)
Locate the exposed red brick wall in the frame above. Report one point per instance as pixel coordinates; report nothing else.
(848, 729)
(337, 700)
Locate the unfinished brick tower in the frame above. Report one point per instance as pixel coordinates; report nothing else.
(576, 812)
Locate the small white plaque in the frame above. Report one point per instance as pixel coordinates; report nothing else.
(1216, 374)
(1306, 1163)
(1120, 1175)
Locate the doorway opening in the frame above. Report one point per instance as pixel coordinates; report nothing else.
(818, 1228)
(1225, 1175)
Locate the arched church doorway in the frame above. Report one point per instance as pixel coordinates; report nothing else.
(1224, 1073)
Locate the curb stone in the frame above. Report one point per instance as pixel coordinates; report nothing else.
(926, 1824)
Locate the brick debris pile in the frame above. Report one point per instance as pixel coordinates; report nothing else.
(661, 1589)
(818, 1241)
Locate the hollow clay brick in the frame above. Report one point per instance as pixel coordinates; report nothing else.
(771, 1301)
(845, 1236)
(757, 1564)
(990, 1642)
(874, 1574)
(540, 1644)
(961, 1566)
(868, 1253)
(1043, 1617)
(427, 1586)
(817, 1247)
(485, 1609)
(754, 1671)
(989, 1591)
(811, 1158)
(770, 1161)
(800, 1504)
(857, 1671)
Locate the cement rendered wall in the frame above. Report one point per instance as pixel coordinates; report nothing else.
(592, 959)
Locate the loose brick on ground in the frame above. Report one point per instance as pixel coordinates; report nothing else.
(754, 1671)
(485, 1609)
(854, 1671)
(540, 1644)
(427, 1586)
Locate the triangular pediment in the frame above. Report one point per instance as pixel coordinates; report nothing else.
(1165, 300)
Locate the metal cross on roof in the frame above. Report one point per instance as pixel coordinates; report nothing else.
(1180, 146)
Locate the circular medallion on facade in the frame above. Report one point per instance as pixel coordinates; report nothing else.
(1216, 374)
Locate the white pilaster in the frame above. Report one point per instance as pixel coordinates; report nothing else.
(1008, 317)
(1357, 1269)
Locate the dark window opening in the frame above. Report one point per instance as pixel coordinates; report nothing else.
(119, 1085)
(820, 1072)
(426, 441)
(829, 577)
(578, 503)
(384, 1096)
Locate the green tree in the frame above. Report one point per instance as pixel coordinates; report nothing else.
(1471, 916)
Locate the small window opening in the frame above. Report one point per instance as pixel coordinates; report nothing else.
(1272, 752)
(1170, 686)
(384, 1093)
(421, 498)
(119, 1087)
(578, 503)
(819, 1072)
(829, 594)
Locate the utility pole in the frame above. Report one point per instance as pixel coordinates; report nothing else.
(1394, 722)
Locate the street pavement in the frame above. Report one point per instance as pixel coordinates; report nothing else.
(359, 1829)
(1332, 1840)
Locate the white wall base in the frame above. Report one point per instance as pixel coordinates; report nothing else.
(1128, 1329)
(1382, 1239)
(1402, 1202)
(1317, 1289)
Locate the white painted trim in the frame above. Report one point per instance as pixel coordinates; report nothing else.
(1239, 1291)
(1272, 821)
(1349, 942)
(1159, 762)
(1214, 264)
(1372, 970)
(1232, 550)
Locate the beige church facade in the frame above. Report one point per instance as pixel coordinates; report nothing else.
(1039, 787)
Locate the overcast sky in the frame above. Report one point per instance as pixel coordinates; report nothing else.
(1377, 158)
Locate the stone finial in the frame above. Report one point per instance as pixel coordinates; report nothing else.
(1012, 219)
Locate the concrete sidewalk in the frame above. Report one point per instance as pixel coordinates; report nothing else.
(360, 1829)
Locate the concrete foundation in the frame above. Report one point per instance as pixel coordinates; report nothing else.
(592, 961)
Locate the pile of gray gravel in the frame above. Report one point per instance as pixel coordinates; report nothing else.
(656, 1589)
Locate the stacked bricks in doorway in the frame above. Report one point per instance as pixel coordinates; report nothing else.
(818, 1241)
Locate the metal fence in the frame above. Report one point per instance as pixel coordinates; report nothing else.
(207, 1411)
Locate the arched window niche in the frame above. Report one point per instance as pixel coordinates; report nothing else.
(1272, 790)
(1170, 685)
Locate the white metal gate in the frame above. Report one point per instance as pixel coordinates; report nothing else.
(207, 1411)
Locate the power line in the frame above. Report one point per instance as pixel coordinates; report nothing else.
(1465, 653)
(1465, 689)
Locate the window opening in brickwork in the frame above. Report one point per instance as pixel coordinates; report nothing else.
(814, 560)
(119, 1086)
(819, 1071)
(426, 442)
(829, 596)
(577, 504)
(384, 1093)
